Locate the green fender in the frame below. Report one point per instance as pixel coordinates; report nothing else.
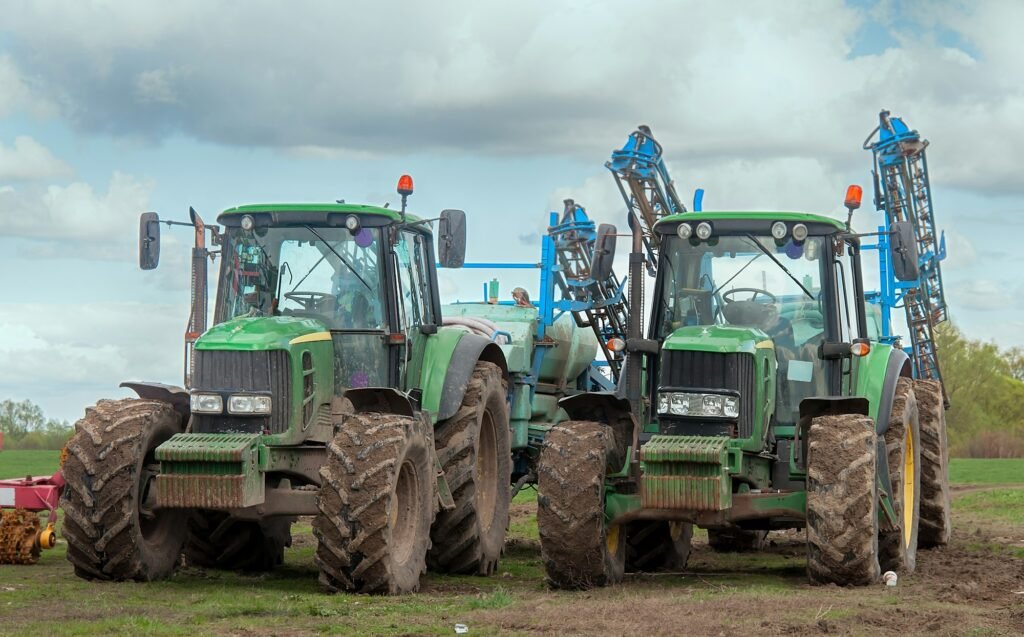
(449, 358)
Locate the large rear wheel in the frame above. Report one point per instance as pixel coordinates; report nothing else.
(578, 549)
(376, 504)
(216, 540)
(898, 548)
(657, 545)
(737, 540)
(112, 529)
(936, 525)
(474, 449)
(842, 501)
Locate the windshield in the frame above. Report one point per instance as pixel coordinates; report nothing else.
(322, 273)
(757, 282)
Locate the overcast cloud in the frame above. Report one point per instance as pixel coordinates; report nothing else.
(108, 109)
(759, 80)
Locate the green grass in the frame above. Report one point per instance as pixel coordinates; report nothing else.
(1006, 505)
(968, 471)
(18, 463)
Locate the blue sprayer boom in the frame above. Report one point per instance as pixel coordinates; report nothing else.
(903, 193)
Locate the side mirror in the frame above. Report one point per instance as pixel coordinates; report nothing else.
(903, 247)
(149, 240)
(451, 240)
(604, 252)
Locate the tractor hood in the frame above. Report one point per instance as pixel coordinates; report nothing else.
(259, 333)
(722, 339)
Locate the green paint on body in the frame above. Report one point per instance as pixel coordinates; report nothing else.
(257, 333)
(437, 356)
(720, 339)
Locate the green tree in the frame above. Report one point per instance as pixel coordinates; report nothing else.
(24, 426)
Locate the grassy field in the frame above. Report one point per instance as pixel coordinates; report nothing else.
(18, 463)
(967, 588)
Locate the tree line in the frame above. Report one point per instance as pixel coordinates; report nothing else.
(24, 426)
(985, 387)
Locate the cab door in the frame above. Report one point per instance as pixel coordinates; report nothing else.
(416, 303)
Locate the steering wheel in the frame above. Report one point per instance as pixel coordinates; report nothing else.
(308, 300)
(754, 293)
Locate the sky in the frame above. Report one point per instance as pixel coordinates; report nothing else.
(109, 109)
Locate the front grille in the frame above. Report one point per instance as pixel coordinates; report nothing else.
(709, 370)
(227, 372)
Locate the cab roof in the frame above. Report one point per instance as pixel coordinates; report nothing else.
(758, 216)
(317, 208)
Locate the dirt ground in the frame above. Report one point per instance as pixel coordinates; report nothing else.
(975, 586)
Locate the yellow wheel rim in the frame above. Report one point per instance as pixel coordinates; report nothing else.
(611, 540)
(909, 487)
(675, 530)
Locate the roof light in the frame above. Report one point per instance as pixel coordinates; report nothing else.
(247, 223)
(684, 231)
(703, 230)
(799, 232)
(352, 223)
(853, 196)
(779, 230)
(405, 185)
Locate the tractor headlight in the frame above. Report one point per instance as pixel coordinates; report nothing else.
(730, 406)
(703, 230)
(698, 404)
(684, 231)
(244, 404)
(248, 223)
(799, 232)
(206, 403)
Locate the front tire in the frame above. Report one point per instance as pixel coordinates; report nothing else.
(111, 529)
(842, 501)
(475, 453)
(577, 548)
(376, 505)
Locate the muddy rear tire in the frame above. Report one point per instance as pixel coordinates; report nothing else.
(936, 525)
(657, 545)
(112, 533)
(842, 501)
(897, 549)
(376, 505)
(737, 540)
(475, 453)
(216, 540)
(578, 551)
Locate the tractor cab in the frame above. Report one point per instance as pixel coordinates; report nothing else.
(364, 275)
(743, 308)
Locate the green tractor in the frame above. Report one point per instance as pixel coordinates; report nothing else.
(326, 387)
(756, 402)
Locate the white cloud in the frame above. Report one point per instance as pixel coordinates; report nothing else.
(766, 82)
(17, 93)
(66, 363)
(28, 160)
(100, 224)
